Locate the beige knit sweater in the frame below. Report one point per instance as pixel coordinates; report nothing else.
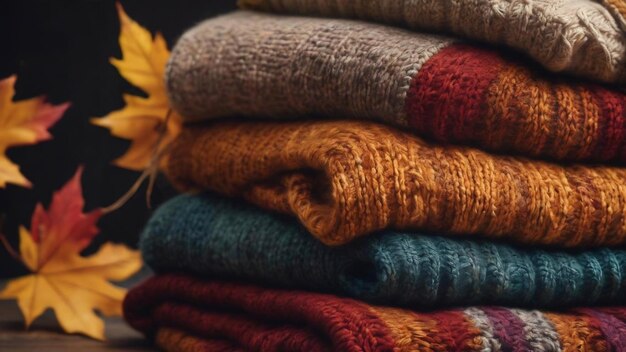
(582, 37)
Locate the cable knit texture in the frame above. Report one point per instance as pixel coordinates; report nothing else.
(217, 237)
(346, 179)
(188, 314)
(289, 67)
(618, 7)
(575, 36)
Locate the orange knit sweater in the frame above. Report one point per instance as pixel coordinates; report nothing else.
(345, 179)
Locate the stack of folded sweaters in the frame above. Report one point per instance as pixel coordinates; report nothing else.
(360, 186)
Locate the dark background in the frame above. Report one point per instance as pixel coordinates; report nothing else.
(61, 49)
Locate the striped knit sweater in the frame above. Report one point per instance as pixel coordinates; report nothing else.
(186, 314)
(259, 65)
(346, 179)
(576, 36)
(221, 238)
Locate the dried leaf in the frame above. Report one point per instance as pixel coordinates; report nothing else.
(22, 123)
(64, 223)
(71, 285)
(142, 64)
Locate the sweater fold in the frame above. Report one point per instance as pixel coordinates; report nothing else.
(184, 313)
(217, 237)
(579, 37)
(283, 67)
(347, 179)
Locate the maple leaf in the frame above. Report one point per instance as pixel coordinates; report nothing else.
(21, 123)
(142, 119)
(64, 223)
(61, 279)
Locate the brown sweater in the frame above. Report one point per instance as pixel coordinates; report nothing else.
(345, 179)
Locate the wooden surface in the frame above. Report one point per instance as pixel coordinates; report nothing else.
(45, 335)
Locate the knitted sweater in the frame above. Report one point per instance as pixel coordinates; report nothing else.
(216, 237)
(345, 179)
(618, 8)
(187, 314)
(259, 65)
(576, 36)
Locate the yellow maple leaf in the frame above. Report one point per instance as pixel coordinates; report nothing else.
(143, 65)
(21, 123)
(61, 279)
(73, 286)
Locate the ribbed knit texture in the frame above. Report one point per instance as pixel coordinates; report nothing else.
(618, 8)
(187, 314)
(216, 237)
(575, 36)
(345, 179)
(259, 65)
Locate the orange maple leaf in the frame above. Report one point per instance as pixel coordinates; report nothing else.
(72, 285)
(21, 123)
(141, 120)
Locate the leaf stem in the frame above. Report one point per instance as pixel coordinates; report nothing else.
(12, 252)
(156, 157)
(149, 173)
(129, 194)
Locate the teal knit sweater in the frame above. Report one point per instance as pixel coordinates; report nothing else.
(224, 238)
